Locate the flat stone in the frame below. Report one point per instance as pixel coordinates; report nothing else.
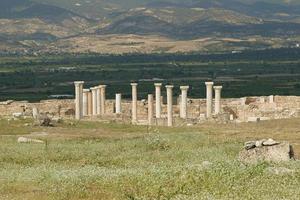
(17, 114)
(270, 142)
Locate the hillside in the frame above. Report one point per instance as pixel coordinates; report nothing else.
(47, 26)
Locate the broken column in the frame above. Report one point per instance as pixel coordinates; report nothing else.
(271, 99)
(183, 102)
(170, 104)
(209, 98)
(134, 103)
(90, 103)
(158, 100)
(85, 102)
(150, 109)
(78, 99)
(35, 113)
(94, 100)
(218, 90)
(102, 99)
(118, 103)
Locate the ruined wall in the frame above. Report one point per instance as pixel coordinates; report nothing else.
(237, 109)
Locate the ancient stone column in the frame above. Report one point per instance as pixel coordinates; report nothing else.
(35, 113)
(170, 104)
(134, 103)
(158, 100)
(218, 90)
(94, 100)
(271, 99)
(102, 99)
(85, 102)
(98, 102)
(90, 103)
(78, 99)
(209, 98)
(118, 103)
(150, 109)
(183, 102)
(243, 101)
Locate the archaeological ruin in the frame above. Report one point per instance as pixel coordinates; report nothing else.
(91, 104)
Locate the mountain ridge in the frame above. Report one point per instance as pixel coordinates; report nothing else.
(38, 24)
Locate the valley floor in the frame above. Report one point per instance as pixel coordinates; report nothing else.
(93, 160)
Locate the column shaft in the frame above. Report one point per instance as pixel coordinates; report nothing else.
(85, 102)
(90, 103)
(150, 109)
(170, 104)
(118, 103)
(78, 99)
(134, 103)
(218, 90)
(98, 91)
(158, 100)
(183, 102)
(94, 97)
(209, 98)
(102, 99)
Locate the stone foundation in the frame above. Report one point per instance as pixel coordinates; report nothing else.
(232, 110)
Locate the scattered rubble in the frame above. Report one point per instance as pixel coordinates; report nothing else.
(266, 150)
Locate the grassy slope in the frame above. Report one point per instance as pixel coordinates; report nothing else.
(108, 161)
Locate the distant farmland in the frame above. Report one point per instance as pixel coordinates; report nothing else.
(242, 74)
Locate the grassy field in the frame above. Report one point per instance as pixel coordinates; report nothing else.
(92, 160)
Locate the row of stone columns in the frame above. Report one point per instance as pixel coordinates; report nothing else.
(183, 106)
(209, 99)
(89, 102)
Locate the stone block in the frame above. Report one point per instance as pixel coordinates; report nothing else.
(253, 119)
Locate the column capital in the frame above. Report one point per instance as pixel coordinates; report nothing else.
(184, 87)
(157, 84)
(94, 88)
(102, 86)
(209, 83)
(218, 87)
(86, 90)
(77, 83)
(133, 84)
(169, 86)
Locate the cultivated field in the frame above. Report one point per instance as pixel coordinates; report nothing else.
(93, 160)
(252, 73)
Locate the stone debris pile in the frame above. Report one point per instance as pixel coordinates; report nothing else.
(266, 150)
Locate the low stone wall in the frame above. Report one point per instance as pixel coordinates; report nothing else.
(234, 109)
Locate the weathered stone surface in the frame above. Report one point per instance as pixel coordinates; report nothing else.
(45, 121)
(270, 142)
(253, 119)
(250, 145)
(277, 153)
(28, 140)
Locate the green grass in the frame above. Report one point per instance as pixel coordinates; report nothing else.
(110, 161)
